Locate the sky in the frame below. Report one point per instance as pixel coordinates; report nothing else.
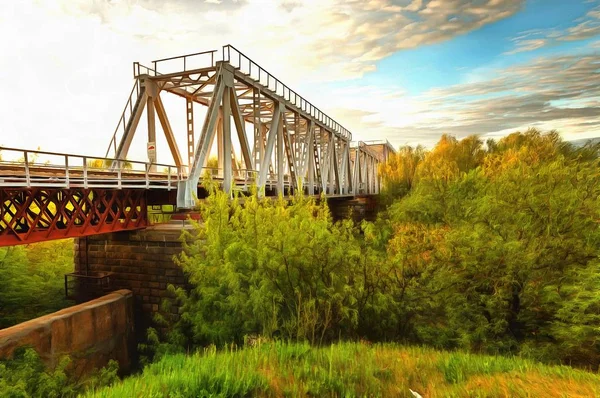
(403, 70)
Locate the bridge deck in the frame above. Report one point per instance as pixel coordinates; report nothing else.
(77, 171)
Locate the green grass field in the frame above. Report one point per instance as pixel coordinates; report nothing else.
(350, 370)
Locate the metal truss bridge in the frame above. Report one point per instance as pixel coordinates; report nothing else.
(282, 144)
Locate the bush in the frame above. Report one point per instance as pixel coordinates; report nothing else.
(271, 268)
(25, 375)
(32, 280)
(502, 256)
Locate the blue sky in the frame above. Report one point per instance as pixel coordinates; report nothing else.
(452, 62)
(545, 48)
(403, 70)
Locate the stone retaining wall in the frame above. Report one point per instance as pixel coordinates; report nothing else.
(91, 333)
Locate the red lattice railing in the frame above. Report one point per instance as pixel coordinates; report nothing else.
(30, 215)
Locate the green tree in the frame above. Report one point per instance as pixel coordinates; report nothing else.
(398, 173)
(492, 249)
(518, 228)
(32, 280)
(275, 268)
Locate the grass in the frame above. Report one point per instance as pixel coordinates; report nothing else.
(350, 370)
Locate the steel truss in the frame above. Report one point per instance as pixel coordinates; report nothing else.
(286, 144)
(30, 215)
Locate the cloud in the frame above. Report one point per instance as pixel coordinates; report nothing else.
(582, 31)
(561, 92)
(65, 68)
(340, 38)
(554, 92)
(585, 27)
(527, 45)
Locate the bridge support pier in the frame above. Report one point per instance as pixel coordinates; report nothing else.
(358, 207)
(141, 261)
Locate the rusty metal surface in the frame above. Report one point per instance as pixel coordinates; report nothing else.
(30, 215)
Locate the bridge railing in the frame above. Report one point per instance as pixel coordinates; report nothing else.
(34, 168)
(240, 61)
(208, 59)
(184, 63)
(125, 118)
(139, 69)
(27, 168)
(363, 146)
(181, 63)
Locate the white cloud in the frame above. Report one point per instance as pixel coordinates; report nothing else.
(561, 92)
(587, 27)
(340, 38)
(65, 68)
(558, 92)
(527, 45)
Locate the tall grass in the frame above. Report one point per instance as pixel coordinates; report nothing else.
(350, 370)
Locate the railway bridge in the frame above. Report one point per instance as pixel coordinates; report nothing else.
(243, 127)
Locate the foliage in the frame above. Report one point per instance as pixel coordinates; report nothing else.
(499, 249)
(32, 285)
(272, 268)
(348, 370)
(212, 163)
(25, 375)
(107, 163)
(31, 280)
(489, 248)
(398, 174)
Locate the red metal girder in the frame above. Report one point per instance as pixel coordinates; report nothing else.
(73, 213)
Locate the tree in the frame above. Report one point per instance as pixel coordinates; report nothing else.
(398, 173)
(518, 228)
(32, 280)
(107, 163)
(275, 268)
(492, 249)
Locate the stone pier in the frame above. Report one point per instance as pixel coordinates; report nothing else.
(358, 207)
(141, 261)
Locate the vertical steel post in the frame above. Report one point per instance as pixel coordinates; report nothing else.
(189, 105)
(226, 140)
(280, 187)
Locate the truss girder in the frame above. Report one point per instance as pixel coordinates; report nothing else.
(40, 214)
(290, 145)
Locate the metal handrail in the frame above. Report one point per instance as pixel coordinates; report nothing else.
(39, 152)
(385, 142)
(279, 88)
(124, 119)
(138, 68)
(362, 146)
(185, 59)
(256, 72)
(74, 170)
